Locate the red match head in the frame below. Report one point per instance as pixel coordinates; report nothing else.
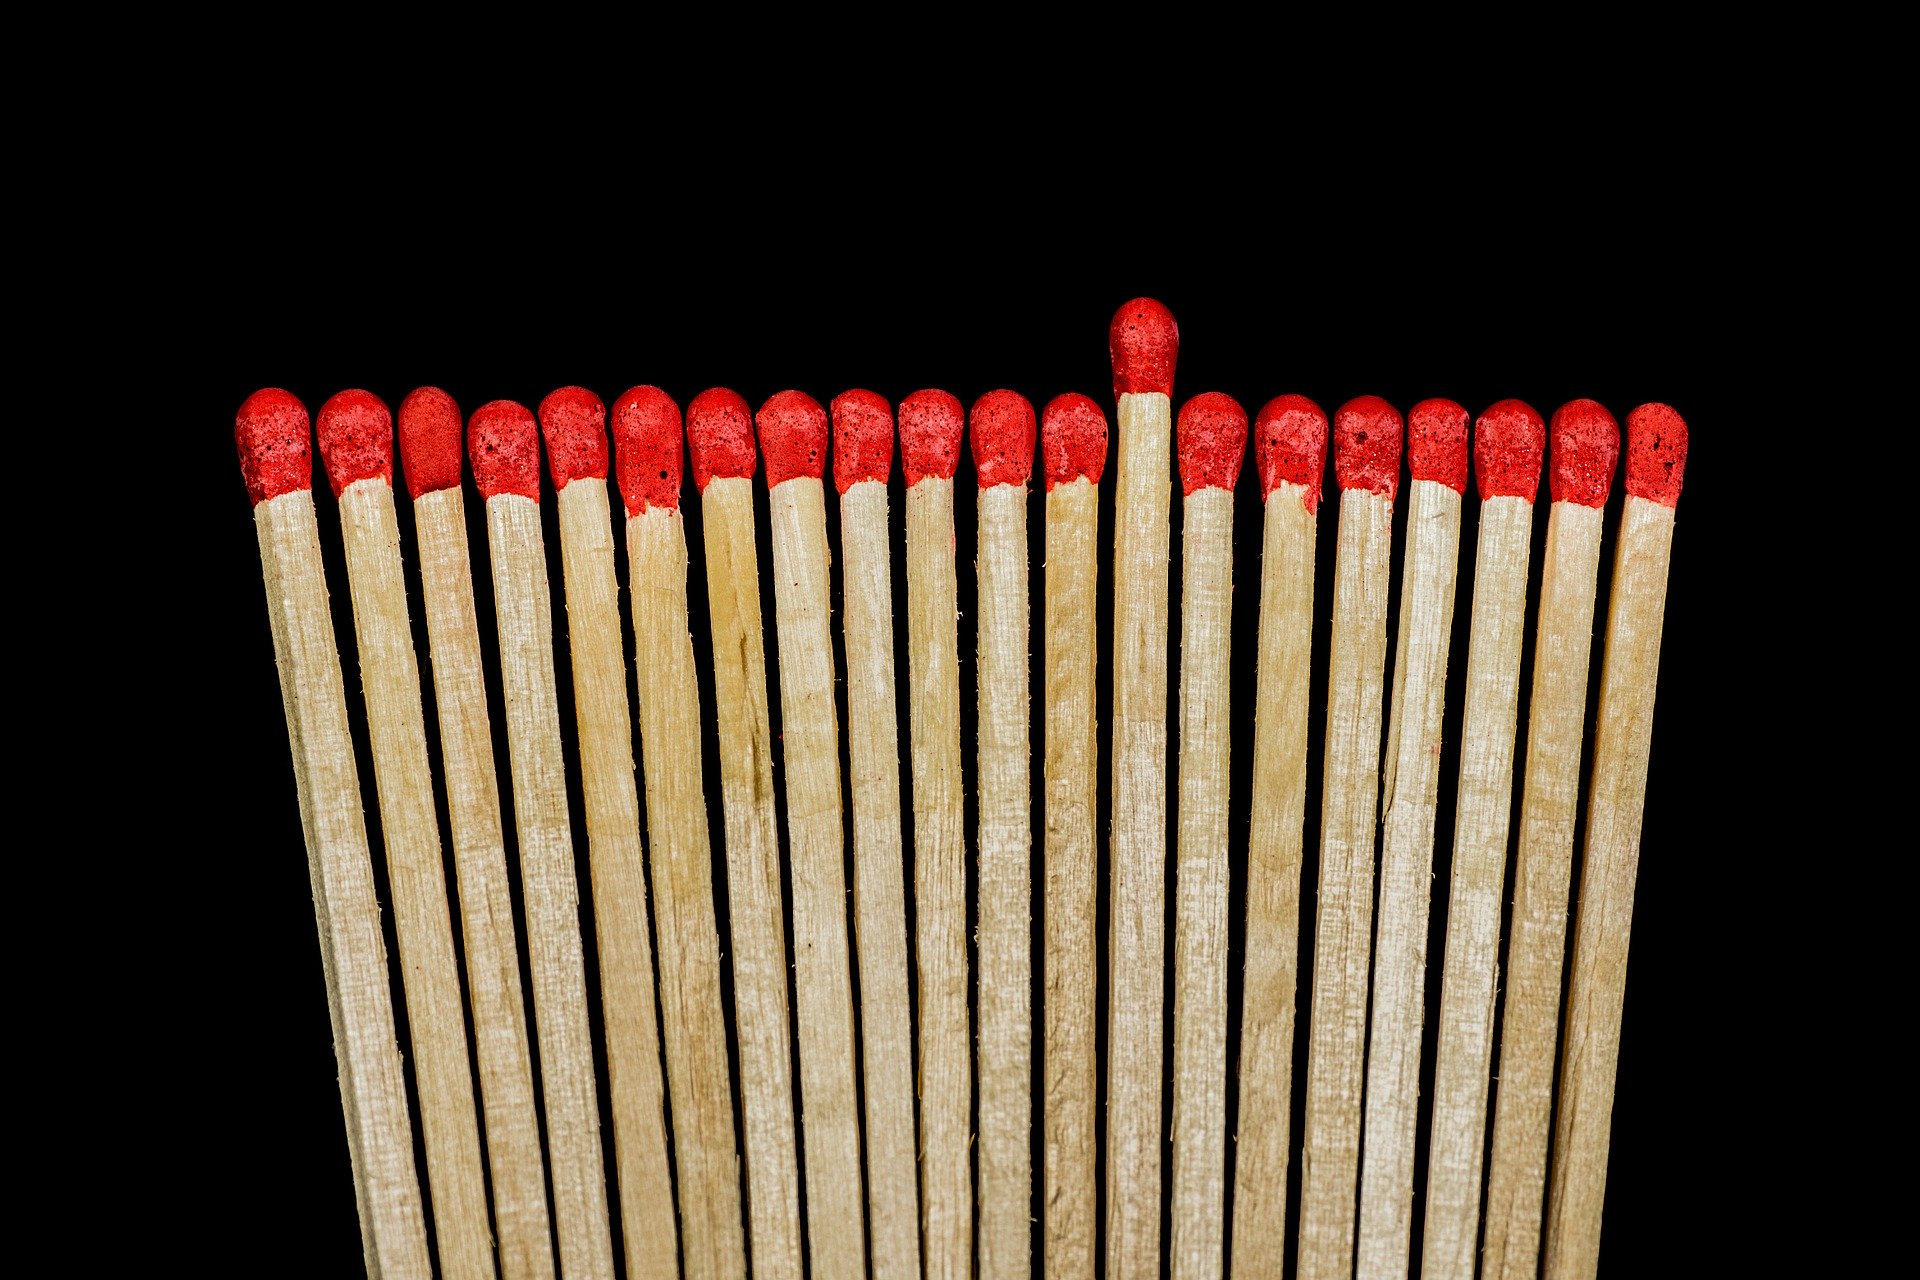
(1507, 444)
(430, 441)
(1586, 446)
(272, 433)
(862, 438)
(646, 449)
(1144, 343)
(931, 423)
(793, 436)
(720, 437)
(1366, 446)
(1211, 441)
(574, 421)
(1002, 438)
(1290, 443)
(356, 439)
(1656, 453)
(1437, 443)
(503, 443)
(1073, 439)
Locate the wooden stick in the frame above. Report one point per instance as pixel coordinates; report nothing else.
(356, 442)
(1212, 447)
(1290, 448)
(272, 434)
(1596, 988)
(504, 446)
(647, 440)
(1586, 446)
(430, 430)
(862, 457)
(1366, 465)
(1507, 443)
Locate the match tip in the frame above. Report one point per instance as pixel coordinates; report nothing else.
(574, 421)
(1437, 443)
(1073, 439)
(430, 441)
(1656, 453)
(862, 438)
(1508, 441)
(720, 437)
(646, 449)
(276, 453)
(1145, 343)
(1210, 438)
(1586, 447)
(503, 442)
(1002, 438)
(793, 436)
(1290, 443)
(356, 439)
(1366, 446)
(931, 423)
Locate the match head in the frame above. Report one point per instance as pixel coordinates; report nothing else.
(646, 449)
(793, 436)
(276, 454)
(356, 439)
(862, 438)
(1144, 343)
(1366, 446)
(503, 443)
(574, 421)
(1002, 438)
(1210, 438)
(1073, 439)
(1586, 447)
(430, 441)
(1290, 443)
(1437, 443)
(720, 437)
(1508, 441)
(1656, 453)
(931, 424)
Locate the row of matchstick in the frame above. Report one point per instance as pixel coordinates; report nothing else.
(920, 1207)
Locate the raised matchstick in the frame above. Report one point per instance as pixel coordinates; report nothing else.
(503, 444)
(1507, 443)
(355, 432)
(1623, 729)
(647, 440)
(1212, 444)
(272, 435)
(1585, 448)
(430, 454)
(1366, 466)
(1290, 450)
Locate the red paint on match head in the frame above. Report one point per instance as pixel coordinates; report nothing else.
(1586, 446)
(430, 441)
(1290, 443)
(862, 438)
(356, 439)
(1210, 438)
(720, 437)
(1656, 453)
(1002, 438)
(574, 421)
(931, 423)
(1366, 446)
(503, 443)
(1508, 441)
(793, 436)
(272, 436)
(1073, 439)
(1144, 343)
(646, 449)
(1437, 443)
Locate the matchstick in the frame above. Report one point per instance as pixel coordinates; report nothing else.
(720, 444)
(272, 435)
(931, 424)
(573, 423)
(1073, 443)
(862, 458)
(647, 447)
(503, 443)
(430, 451)
(793, 438)
(1144, 343)
(1585, 450)
(1409, 805)
(1596, 987)
(1507, 444)
(1003, 430)
(1212, 444)
(1366, 466)
(1290, 450)
(355, 432)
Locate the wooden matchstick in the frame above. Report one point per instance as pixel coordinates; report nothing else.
(1596, 986)
(1290, 449)
(1409, 805)
(647, 448)
(1073, 443)
(931, 424)
(573, 423)
(272, 434)
(1507, 444)
(1585, 451)
(355, 432)
(430, 449)
(1366, 465)
(1144, 343)
(720, 444)
(862, 458)
(793, 438)
(1212, 444)
(503, 443)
